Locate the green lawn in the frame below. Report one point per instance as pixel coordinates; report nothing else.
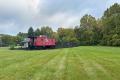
(80, 63)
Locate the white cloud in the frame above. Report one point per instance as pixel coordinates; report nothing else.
(111, 2)
(15, 14)
(8, 27)
(65, 19)
(18, 15)
(22, 9)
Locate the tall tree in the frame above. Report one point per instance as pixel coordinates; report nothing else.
(111, 23)
(46, 31)
(87, 22)
(37, 32)
(113, 10)
(67, 37)
(88, 25)
(21, 36)
(30, 31)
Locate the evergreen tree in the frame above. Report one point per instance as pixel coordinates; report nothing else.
(30, 32)
(37, 32)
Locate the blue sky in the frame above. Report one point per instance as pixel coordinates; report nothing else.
(18, 15)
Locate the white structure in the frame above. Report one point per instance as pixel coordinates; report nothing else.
(26, 40)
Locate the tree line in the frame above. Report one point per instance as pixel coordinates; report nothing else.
(91, 31)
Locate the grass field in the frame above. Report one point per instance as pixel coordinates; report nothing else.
(79, 63)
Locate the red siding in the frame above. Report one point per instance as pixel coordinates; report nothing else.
(44, 41)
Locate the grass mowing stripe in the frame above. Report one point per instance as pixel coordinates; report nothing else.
(74, 67)
(88, 68)
(17, 59)
(51, 67)
(98, 69)
(59, 74)
(24, 67)
(102, 72)
(78, 63)
(111, 66)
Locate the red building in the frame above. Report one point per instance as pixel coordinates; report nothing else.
(39, 41)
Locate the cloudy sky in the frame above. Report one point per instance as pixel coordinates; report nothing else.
(18, 15)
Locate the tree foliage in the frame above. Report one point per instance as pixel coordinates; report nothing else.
(46, 30)
(37, 32)
(66, 37)
(91, 31)
(31, 32)
(111, 23)
(7, 40)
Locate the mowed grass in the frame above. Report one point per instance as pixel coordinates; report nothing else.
(79, 63)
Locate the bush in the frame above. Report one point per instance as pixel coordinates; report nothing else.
(116, 42)
(12, 47)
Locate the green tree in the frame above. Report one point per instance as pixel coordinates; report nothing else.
(86, 33)
(0, 41)
(21, 36)
(67, 37)
(46, 31)
(30, 31)
(113, 10)
(37, 32)
(111, 23)
(8, 40)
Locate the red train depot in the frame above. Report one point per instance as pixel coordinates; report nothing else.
(41, 41)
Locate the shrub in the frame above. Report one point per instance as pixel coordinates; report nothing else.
(12, 47)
